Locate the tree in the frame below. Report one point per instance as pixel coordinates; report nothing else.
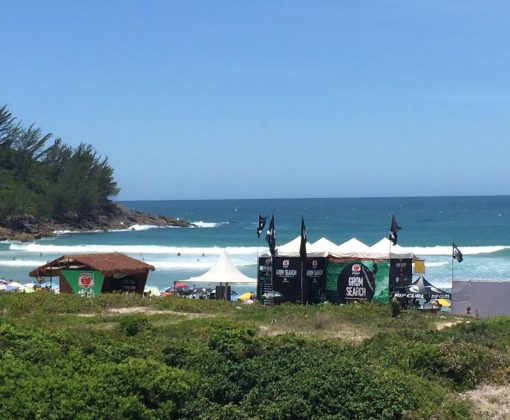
(56, 181)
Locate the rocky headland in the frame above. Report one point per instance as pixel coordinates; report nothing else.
(115, 216)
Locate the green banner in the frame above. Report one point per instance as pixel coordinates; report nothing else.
(84, 282)
(357, 280)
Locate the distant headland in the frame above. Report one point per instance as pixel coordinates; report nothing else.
(27, 227)
(47, 186)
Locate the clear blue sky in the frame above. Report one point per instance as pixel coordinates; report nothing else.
(253, 99)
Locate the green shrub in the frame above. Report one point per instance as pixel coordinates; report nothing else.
(55, 365)
(134, 324)
(466, 364)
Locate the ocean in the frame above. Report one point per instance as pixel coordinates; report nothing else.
(480, 226)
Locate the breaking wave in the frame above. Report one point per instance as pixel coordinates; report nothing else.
(447, 250)
(136, 228)
(202, 224)
(436, 264)
(131, 249)
(21, 263)
(178, 265)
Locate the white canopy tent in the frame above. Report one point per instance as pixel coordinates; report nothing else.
(223, 271)
(322, 246)
(353, 245)
(353, 248)
(291, 247)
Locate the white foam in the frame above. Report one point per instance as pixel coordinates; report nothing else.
(190, 264)
(131, 249)
(145, 227)
(169, 265)
(21, 263)
(447, 250)
(66, 232)
(134, 228)
(436, 264)
(202, 224)
(175, 263)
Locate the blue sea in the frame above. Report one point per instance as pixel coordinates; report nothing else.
(480, 226)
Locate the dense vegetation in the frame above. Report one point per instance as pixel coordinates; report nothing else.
(45, 178)
(207, 359)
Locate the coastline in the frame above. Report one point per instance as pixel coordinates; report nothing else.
(27, 228)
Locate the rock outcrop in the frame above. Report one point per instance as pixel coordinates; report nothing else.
(28, 227)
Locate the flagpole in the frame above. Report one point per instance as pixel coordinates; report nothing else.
(452, 264)
(389, 261)
(302, 292)
(302, 257)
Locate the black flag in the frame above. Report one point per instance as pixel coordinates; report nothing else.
(456, 254)
(393, 230)
(302, 246)
(261, 225)
(270, 236)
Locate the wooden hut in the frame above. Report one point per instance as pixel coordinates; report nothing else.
(92, 274)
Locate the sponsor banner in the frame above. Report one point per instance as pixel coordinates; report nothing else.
(357, 280)
(315, 280)
(264, 278)
(401, 272)
(287, 278)
(264, 267)
(84, 282)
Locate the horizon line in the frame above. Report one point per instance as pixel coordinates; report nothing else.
(317, 198)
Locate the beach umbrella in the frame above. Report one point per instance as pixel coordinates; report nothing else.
(245, 296)
(153, 291)
(272, 294)
(181, 285)
(444, 302)
(28, 288)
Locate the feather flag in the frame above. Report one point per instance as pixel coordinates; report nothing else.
(394, 230)
(261, 225)
(456, 254)
(270, 236)
(302, 246)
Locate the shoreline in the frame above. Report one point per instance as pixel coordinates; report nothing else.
(26, 228)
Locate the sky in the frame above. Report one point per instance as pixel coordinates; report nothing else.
(266, 99)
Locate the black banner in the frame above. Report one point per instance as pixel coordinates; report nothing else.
(355, 282)
(263, 278)
(315, 280)
(401, 272)
(287, 278)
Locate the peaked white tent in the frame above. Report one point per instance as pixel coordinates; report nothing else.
(323, 245)
(223, 271)
(353, 245)
(291, 247)
(353, 248)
